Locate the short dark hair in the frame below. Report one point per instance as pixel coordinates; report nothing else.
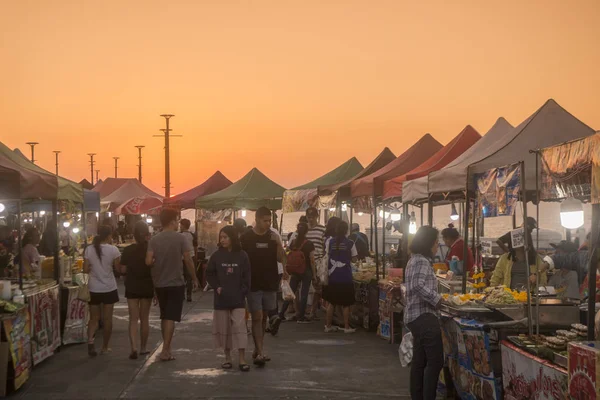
(141, 232)
(263, 212)
(186, 223)
(450, 232)
(424, 240)
(312, 211)
(168, 215)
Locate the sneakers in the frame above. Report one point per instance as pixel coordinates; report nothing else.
(303, 321)
(349, 330)
(332, 328)
(275, 324)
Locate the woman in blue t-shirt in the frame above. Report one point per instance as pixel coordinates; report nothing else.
(340, 289)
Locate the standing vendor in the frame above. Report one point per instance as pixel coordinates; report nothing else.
(456, 245)
(511, 269)
(505, 241)
(565, 281)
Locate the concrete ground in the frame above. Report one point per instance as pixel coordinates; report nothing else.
(307, 364)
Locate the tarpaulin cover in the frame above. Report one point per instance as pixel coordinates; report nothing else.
(453, 178)
(67, 190)
(127, 190)
(138, 206)
(548, 126)
(571, 170)
(343, 189)
(26, 182)
(415, 191)
(457, 146)
(251, 192)
(302, 197)
(187, 199)
(373, 184)
(498, 190)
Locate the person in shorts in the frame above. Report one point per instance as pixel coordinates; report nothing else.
(265, 250)
(101, 259)
(167, 253)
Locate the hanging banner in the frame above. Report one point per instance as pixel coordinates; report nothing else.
(45, 323)
(498, 190)
(17, 335)
(525, 376)
(300, 200)
(76, 321)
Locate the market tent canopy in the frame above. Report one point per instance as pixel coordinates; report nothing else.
(343, 189)
(453, 178)
(187, 199)
(548, 126)
(253, 191)
(67, 189)
(419, 152)
(31, 184)
(139, 205)
(86, 185)
(457, 146)
(129, 189)
(302, 197)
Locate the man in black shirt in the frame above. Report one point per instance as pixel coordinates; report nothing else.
(360, 241)
(505, 241)
(265, 250)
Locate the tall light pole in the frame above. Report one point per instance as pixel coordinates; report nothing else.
(32, 144)
(116, 165)
(56, 153)
(97, 173)
(92, 166)
(167, 135)
(140, 162)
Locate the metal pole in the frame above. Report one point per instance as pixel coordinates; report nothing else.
(20, 245)
(375, 233)
(371, 221)
(526, 248)
(383, 239)
(32, 145)
(140, 162)
(430, 213)
(167, 135)
(595, 236)
(56, 152)
(466, 241)
(92, 166)
(97, 175)
(421, 206)
(537, 238)
(116, 165)
(57, 243)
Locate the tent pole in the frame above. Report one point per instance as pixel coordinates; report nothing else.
(429, 212)
(375, 233)
(57, 244)
(422, 206)
(537, 238)
(281, 224)
(84, 223)
(383, 239)
(351, 215)
(371, 221)
(405, 234)
(526, 245)
(20, 245)
(592, 270)
(466, 242)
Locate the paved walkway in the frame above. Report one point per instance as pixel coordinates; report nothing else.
(307, 364)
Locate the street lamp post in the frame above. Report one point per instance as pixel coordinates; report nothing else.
(140, 162)
(56, 153)
(167, 135)
(116, 165)
(97, 173)
(92, 166)
(32, 145)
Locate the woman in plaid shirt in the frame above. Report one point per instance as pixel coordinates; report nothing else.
(421, 315)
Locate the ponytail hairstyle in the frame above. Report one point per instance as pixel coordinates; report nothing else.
(450, 232)
(141, 233)
(104, 232)
(302, 231)
(341, 230)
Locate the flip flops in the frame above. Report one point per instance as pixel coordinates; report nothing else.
(227, 365)
(133, 355)
(244, 367)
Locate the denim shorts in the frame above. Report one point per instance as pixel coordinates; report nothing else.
(262, 301)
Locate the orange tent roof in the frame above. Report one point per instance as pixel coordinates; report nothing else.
(413, 157)
(457, 146)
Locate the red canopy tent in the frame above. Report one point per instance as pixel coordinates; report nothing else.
(123, 190)
(465, 139)
(138, 206)
(187, 200)
(373, 184)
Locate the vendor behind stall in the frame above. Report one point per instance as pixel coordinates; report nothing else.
(456, 244)
(505, 241)
(511, 269)
(565, 281)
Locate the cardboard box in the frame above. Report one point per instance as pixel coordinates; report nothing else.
(584, 370)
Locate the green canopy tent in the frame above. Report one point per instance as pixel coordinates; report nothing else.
(253, 191)
(302, 197)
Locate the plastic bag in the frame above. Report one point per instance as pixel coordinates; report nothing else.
(323, 270)
(286, 291)
(405, 350)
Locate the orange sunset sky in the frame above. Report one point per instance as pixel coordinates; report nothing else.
(292, 87)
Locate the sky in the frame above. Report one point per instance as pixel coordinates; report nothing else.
(294, 88)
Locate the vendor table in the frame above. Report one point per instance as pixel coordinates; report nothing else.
(526, 376)
(43, 303)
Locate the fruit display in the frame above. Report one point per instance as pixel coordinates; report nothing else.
(502, 295)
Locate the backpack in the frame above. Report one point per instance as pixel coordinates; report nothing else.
(296, 261)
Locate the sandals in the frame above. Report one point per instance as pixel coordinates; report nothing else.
(265, 357)
(260, 361)
(227, 365)
(170, 358)
(133, 355)
(244, 367)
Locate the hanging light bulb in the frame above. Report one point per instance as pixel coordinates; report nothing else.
(42, 213)
(454, 214)
(149, 220)
(143, 215)
(244, 213)
(109, 214)
(2, 207)
(97, 215)
(219, 222)
(412, 228)
(79, 215)
(332, 209)
(75, 230)
(344, 207)
(396, 215)
(66, 224)
(571, 213)
(360, 214)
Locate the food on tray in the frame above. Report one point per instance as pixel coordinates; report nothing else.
(568, 335)
(580, 329)
(556, 343)
(502, 295)
(462, 299)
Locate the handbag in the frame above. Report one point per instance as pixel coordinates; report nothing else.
(84, 290)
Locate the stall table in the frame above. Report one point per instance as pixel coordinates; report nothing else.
(43, 303)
